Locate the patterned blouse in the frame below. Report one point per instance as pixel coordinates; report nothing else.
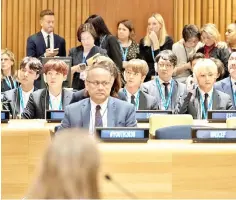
(133, 51)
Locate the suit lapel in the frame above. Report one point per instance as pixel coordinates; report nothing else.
(227, 87)
(55, 41)
(142, 101)
(41, 39)
(16, 102)
(174, 94)
(111, 109)
(43, 96)
(216, 100)
(65, 98)
(157, 93)
(195, 110)
(86, 109)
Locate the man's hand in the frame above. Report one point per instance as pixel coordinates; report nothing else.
(51, 53)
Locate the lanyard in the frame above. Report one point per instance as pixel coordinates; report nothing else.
(203, 107)
(50, 104)
(9, 82)
(84, 59)
(166, 103)
(235, 98)
(21, 99)
(137, 98)
(124, 54)
(103, 38)
(153, 57)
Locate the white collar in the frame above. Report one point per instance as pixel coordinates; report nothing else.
(45, 34)
(203, 93)
(53, 97)
(129, 94)
(161, 81)
(29, 92)
(103, 105)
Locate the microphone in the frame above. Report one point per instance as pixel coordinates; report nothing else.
(120, 187)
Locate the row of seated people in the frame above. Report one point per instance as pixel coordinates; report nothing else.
(95, 37)
(103, 80)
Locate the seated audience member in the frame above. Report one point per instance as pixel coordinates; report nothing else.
(100, 110)
(83, 94)
(69, 168)
(51, 98)
(231, 37)
(30, 69)
(86, 35)
(190, 82)
(8, 71)
(125, 34)
(135, 73)
(210, 36)
(166, 90)
(156, 40)
(44, 43)
(220, 68)
(185, 48)
(228, 85)
(204, 97)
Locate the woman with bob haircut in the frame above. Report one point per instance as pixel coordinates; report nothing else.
(156, 40)
(53, 97)
(69, 168)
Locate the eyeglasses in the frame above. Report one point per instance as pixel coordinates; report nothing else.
(161, 65)
(97, 83)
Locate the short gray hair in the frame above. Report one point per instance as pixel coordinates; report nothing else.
(167, 55)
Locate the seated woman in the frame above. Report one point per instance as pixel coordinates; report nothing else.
(69, 168)
(231, 37)
(54, 97)
(155, 41)
(8, 73)
(135, 73)
(86, 35)
(125, 33)
(210, 36)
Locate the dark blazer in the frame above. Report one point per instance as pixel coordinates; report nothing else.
(80, 95)
(5, 87)
(220, 53)
(13, 98)
(119, 114)
(146, 101)
(77, 57)
(112, 46)
(36, 46)
(146, 54)
(225, 86)
(35, 108)
(179, 90)
(190, 104)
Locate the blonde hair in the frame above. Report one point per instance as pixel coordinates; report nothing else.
(138, 66)
(162, 32)
(12, 58)
(69, 168)
(212, 31)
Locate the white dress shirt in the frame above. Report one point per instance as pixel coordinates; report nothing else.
(163, 92)
(25, 96)
(103, 112)
(210, 93)
(136, 99)
(55, 101)
(45, 36)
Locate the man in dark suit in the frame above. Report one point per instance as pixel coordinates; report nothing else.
(198, 101)
(163, 87)
(228, 85)
(100, 110)
(135, 73)
(45, 43)
(54, 97)
(17, 98)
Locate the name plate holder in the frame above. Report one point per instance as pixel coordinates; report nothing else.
(144, 115)
(123, 134)
(213, 135)
(5, 116)
(54, 116)
(220, 116)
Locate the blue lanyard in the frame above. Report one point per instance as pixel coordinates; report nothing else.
(235, 98)
(203, 107)
(21, 99)
(124, 54)
(9, 83)
(137, 98)
(166, 103)
(50, 104)
(103, 38)
(153, 57)
(84, 59)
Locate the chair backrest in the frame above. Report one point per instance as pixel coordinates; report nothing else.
(175, 132)
(231, 122)
(161, 121)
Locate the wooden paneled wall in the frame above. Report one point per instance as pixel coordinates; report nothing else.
(200, 12)
(20, 19)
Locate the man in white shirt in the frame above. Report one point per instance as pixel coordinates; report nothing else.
(100, 110)
(204, 97)
(30, 69)
(228, 85)
(163, 87)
